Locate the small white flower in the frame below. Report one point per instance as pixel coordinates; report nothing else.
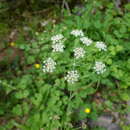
(101, 46)
(44, 23)
(99, 67)
(72, 76)
(36, 33)
(49, 65)
(86, 41)
(56, 117)
(79, 52)
(57, 38)
(77, 33)
(58, 47)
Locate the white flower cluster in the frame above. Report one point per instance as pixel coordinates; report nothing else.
(101, 46)
(49, 65)
(57, 43)
(57, 38)
(72, 76)
(99, 67)
(79, 52)
(86, 41)
(58, 47)
(77, 33)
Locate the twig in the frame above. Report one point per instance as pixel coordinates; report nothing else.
(117, 5)
(67, 7)
(42, 11)
(65, 4)
(98, 84)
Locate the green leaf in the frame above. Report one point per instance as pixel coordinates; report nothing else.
(30, 60)
(45, 118)
(17, 110)
(125, 96)
(37, 99)
(25, 108)
(127, 6)
(109, 103)
(89, 91)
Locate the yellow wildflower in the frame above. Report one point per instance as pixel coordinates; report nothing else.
(12, 44)
(37, 66)
(87, 110)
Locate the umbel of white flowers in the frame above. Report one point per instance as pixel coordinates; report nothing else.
(79, 52)
(72, 76)
(101, 46)
(99, 67)
(57, 38)
(77, 33)
(57, 43)
(49, 65)
(86, 41)
(58, 47)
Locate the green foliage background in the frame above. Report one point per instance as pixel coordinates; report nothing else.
(32, 100)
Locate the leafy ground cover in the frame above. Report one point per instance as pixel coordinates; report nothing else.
(68, 71)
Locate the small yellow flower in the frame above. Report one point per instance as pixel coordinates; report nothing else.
(87, 110)
(12, 44)
(37, 66)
